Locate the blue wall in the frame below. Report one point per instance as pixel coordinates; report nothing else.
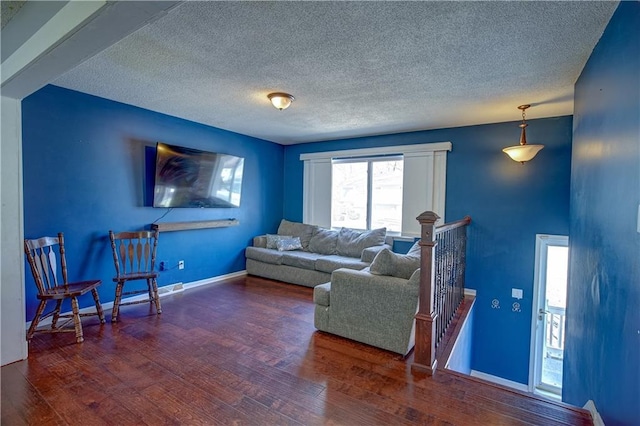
(602, 356)
(84, 174)
(509, 204)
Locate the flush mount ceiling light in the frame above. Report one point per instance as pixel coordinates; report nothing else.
(280, 100)
(523, 152)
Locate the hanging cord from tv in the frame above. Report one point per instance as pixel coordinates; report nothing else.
(165, 213)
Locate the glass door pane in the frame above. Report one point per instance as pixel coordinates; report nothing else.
(554, 318)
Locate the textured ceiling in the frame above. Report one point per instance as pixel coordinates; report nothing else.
(9, 9)
(355, 68)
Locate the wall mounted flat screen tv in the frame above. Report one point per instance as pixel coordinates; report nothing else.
(187, 177)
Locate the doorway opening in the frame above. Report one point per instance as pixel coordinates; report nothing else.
(548, 321)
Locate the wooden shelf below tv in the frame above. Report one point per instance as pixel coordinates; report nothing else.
(201, 224)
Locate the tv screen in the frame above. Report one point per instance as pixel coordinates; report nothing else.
(187, 177)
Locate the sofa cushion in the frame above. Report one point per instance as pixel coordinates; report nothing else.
(264, 255)
(296, 229)
(370, 253)
(352, 242)
(300, 259)
(324, 241)
(396, 265)
(331, 263)
(321, 294)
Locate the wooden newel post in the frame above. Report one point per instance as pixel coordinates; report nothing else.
(425, 352)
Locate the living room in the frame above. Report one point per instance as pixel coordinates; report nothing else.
(84, 162)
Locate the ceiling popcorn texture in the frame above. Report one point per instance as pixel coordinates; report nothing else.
(355, 68)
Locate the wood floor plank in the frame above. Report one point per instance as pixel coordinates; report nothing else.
(245, 351)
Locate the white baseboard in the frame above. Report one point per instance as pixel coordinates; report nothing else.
(499, 381)
(163, 291)
(591, 407)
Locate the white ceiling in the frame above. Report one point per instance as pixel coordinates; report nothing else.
(355, 68)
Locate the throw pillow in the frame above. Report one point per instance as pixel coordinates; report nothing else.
(415, 250)
(272, 240)
(288, 243)
(352, 242)
(324, 241)
(392, 264)
(297, 229)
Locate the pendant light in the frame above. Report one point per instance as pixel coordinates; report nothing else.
(523, 152)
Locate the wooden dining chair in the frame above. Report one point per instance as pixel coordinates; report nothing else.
(134, 256)
(44, 265)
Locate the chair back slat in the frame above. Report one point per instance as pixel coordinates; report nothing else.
(130, 254)
(123, 256)
(139, 255)
(43, 261)
(134, 252)
(147, 250)
(52, 266)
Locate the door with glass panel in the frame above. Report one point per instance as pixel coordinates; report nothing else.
(548, 322)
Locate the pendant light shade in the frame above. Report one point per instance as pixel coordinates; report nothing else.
(280, 100)
(523, 152)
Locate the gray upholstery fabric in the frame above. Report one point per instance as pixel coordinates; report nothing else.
(352, 242)
(324, 241)
(286, 273)
(333, 262)
(305, 267)
(372, 309)
(300, 259)
(296, 229)
(264, 255)
(260, 241)
(321, 294)
(370, 253)
(394, 264)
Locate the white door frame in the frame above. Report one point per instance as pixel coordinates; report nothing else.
(539, 289)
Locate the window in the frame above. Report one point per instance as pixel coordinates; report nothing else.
(367, 193)
(406, 180)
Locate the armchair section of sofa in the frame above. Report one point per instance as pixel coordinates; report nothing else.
(321, 251)
(378, 310)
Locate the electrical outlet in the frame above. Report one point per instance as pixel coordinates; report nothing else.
(181, 264)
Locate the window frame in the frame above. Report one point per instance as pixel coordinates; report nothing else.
(369, 160)
(422, 163)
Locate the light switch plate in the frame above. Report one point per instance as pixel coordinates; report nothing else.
(516, 293)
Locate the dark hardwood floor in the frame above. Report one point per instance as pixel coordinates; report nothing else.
(244, 352)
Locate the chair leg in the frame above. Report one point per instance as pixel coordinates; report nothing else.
(76, 320)
(36, 319)
(56, 315)
(116, 302)
(150, 290)
(96, 299)
(156, 297)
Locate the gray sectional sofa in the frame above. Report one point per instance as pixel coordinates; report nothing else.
(321, 251)
(373, 309)
(363, 291)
